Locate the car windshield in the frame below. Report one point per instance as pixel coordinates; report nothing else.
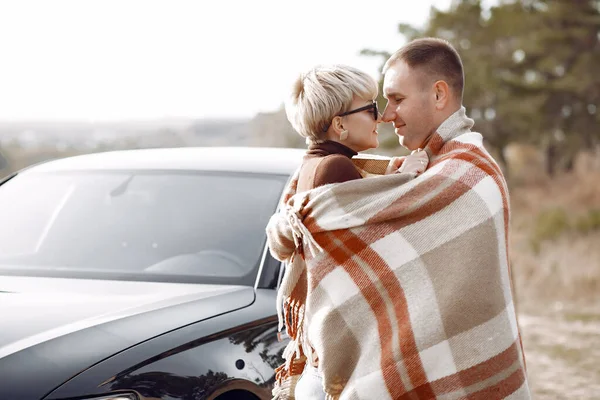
(137, 225)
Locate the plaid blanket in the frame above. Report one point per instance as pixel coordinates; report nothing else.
(400, 288)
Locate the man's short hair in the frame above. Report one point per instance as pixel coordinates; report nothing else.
(323, 92)
(436, 58)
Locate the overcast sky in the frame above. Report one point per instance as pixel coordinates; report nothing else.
(121, 59)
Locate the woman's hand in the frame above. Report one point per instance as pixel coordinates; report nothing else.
(416, 162)
(394, 165)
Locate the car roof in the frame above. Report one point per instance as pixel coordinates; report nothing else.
(234, 159)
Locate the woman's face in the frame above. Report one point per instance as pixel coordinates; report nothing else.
(361, 126)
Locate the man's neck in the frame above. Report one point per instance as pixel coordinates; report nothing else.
(446, 113)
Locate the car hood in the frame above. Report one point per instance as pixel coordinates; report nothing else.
(36, 309)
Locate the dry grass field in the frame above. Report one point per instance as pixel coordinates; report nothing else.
(555, 254)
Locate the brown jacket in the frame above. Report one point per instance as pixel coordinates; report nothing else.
(325, 163)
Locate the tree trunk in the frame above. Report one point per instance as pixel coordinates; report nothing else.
(551, 159)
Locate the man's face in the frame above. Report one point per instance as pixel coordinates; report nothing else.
(410, 106)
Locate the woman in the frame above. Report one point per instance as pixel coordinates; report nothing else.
(334, 109)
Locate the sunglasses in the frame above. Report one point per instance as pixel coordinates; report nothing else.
(372, 106)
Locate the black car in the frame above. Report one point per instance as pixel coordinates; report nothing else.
(141, 274)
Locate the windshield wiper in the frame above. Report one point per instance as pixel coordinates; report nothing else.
(122, 188)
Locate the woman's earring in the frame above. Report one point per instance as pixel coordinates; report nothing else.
(344, 135)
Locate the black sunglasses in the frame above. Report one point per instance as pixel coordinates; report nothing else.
(372, 106)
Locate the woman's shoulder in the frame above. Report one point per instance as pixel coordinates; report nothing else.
(336, 160)
(335, 168)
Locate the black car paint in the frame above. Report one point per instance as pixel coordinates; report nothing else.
(241, 324)
(35, 371)
(194, 362)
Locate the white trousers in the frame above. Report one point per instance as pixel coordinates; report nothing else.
(310, 385)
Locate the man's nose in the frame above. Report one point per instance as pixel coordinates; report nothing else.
(388, 115)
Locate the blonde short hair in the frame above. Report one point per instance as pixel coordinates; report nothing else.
(323, 92)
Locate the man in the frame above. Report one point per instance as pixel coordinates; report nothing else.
(424, 86)
(398, 287)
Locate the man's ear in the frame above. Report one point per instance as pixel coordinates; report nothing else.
(442, 94)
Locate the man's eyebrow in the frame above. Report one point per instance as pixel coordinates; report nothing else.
(392, 94)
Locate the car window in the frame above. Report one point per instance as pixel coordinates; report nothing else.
(138, 225)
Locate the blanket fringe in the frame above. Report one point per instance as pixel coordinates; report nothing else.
(288, 374)
(301, 234)
(294, 270)
(286, 378)
(285, 389)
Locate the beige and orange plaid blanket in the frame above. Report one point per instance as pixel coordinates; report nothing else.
(400, 288)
